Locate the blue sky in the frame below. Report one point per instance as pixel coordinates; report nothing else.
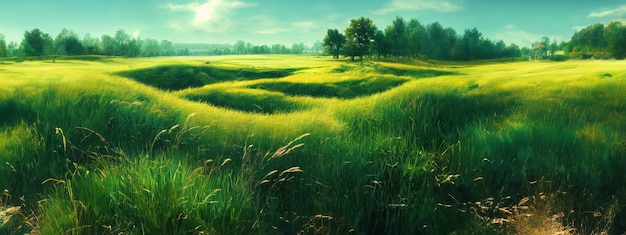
(289, 21)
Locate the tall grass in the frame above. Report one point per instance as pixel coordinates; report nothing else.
(484, 149)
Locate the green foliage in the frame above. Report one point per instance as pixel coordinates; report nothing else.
(359, 36)
(333, 42)
(34, 42)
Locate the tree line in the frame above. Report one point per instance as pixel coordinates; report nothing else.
(37, 43)
(412, 39)
(599, 41)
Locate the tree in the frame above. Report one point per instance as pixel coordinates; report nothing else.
(91, 45)
(150, 48)
(359, 36)
(382, 44)
(14, 49)
(416, 37)
(3, 47)
(589, 40)
(436, 39)
(67, 43)
(396, 33)
(109, 46)
(317, 46)
(166, 47)
(34, 42)
(615, 34)
(333, 42)
(470, 41)
(240, 48)
(297, 48)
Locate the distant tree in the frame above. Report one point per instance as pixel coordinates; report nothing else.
(436, 39)
(297, 48)
(615, 34)
(240, 48)
(397, 36)
(333, 42)
(3, 47)
(416, 37)
(589, 41)
(91, 45)
(512, 50)
(166, 48)
(14, 49)
(382, 44)
(122, 41)
(359, 36)
(470, 42)
(554, 46)
(150, 48)
(109, 46)
(498, 50)
(318, 46)
(34, 42)
(279, 49)
(67, 43)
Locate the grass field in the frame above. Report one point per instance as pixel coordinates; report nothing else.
(310, 145)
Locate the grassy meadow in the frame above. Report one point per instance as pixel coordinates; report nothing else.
(311, 145)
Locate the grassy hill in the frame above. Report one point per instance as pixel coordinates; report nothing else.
(310, 145)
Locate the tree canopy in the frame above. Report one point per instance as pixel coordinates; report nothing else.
(333, 42)
(411, 39)
(359, 36)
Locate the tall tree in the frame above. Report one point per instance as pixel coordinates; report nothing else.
(589, 40)
(109, 46)
(397, 35)
(333, 42)
(3, 47)
(240, 48)
(359, 36)
(92, 45)
(615, 34)
(14, 49)
(416, 37)
(436, 38)
(167, 48)
(150, 48)
(471, 41)
(34, 42)
(297, 48)
(382, 44)
(67, 43)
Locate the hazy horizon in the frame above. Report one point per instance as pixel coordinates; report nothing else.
(287, 22)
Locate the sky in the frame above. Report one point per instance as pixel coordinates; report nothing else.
(294, 21)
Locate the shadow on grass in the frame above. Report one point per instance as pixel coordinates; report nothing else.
(269, 103)
(414, 73)
(178, 77)
(343, 90)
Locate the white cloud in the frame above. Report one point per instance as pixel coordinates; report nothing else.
(211, 16)
(578, 27)
(617, 12)
(271, 31)
(304, 24)
(418, 5)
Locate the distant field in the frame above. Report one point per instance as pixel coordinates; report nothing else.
(311, 145)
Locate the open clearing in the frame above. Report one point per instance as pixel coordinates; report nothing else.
(310, 145)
